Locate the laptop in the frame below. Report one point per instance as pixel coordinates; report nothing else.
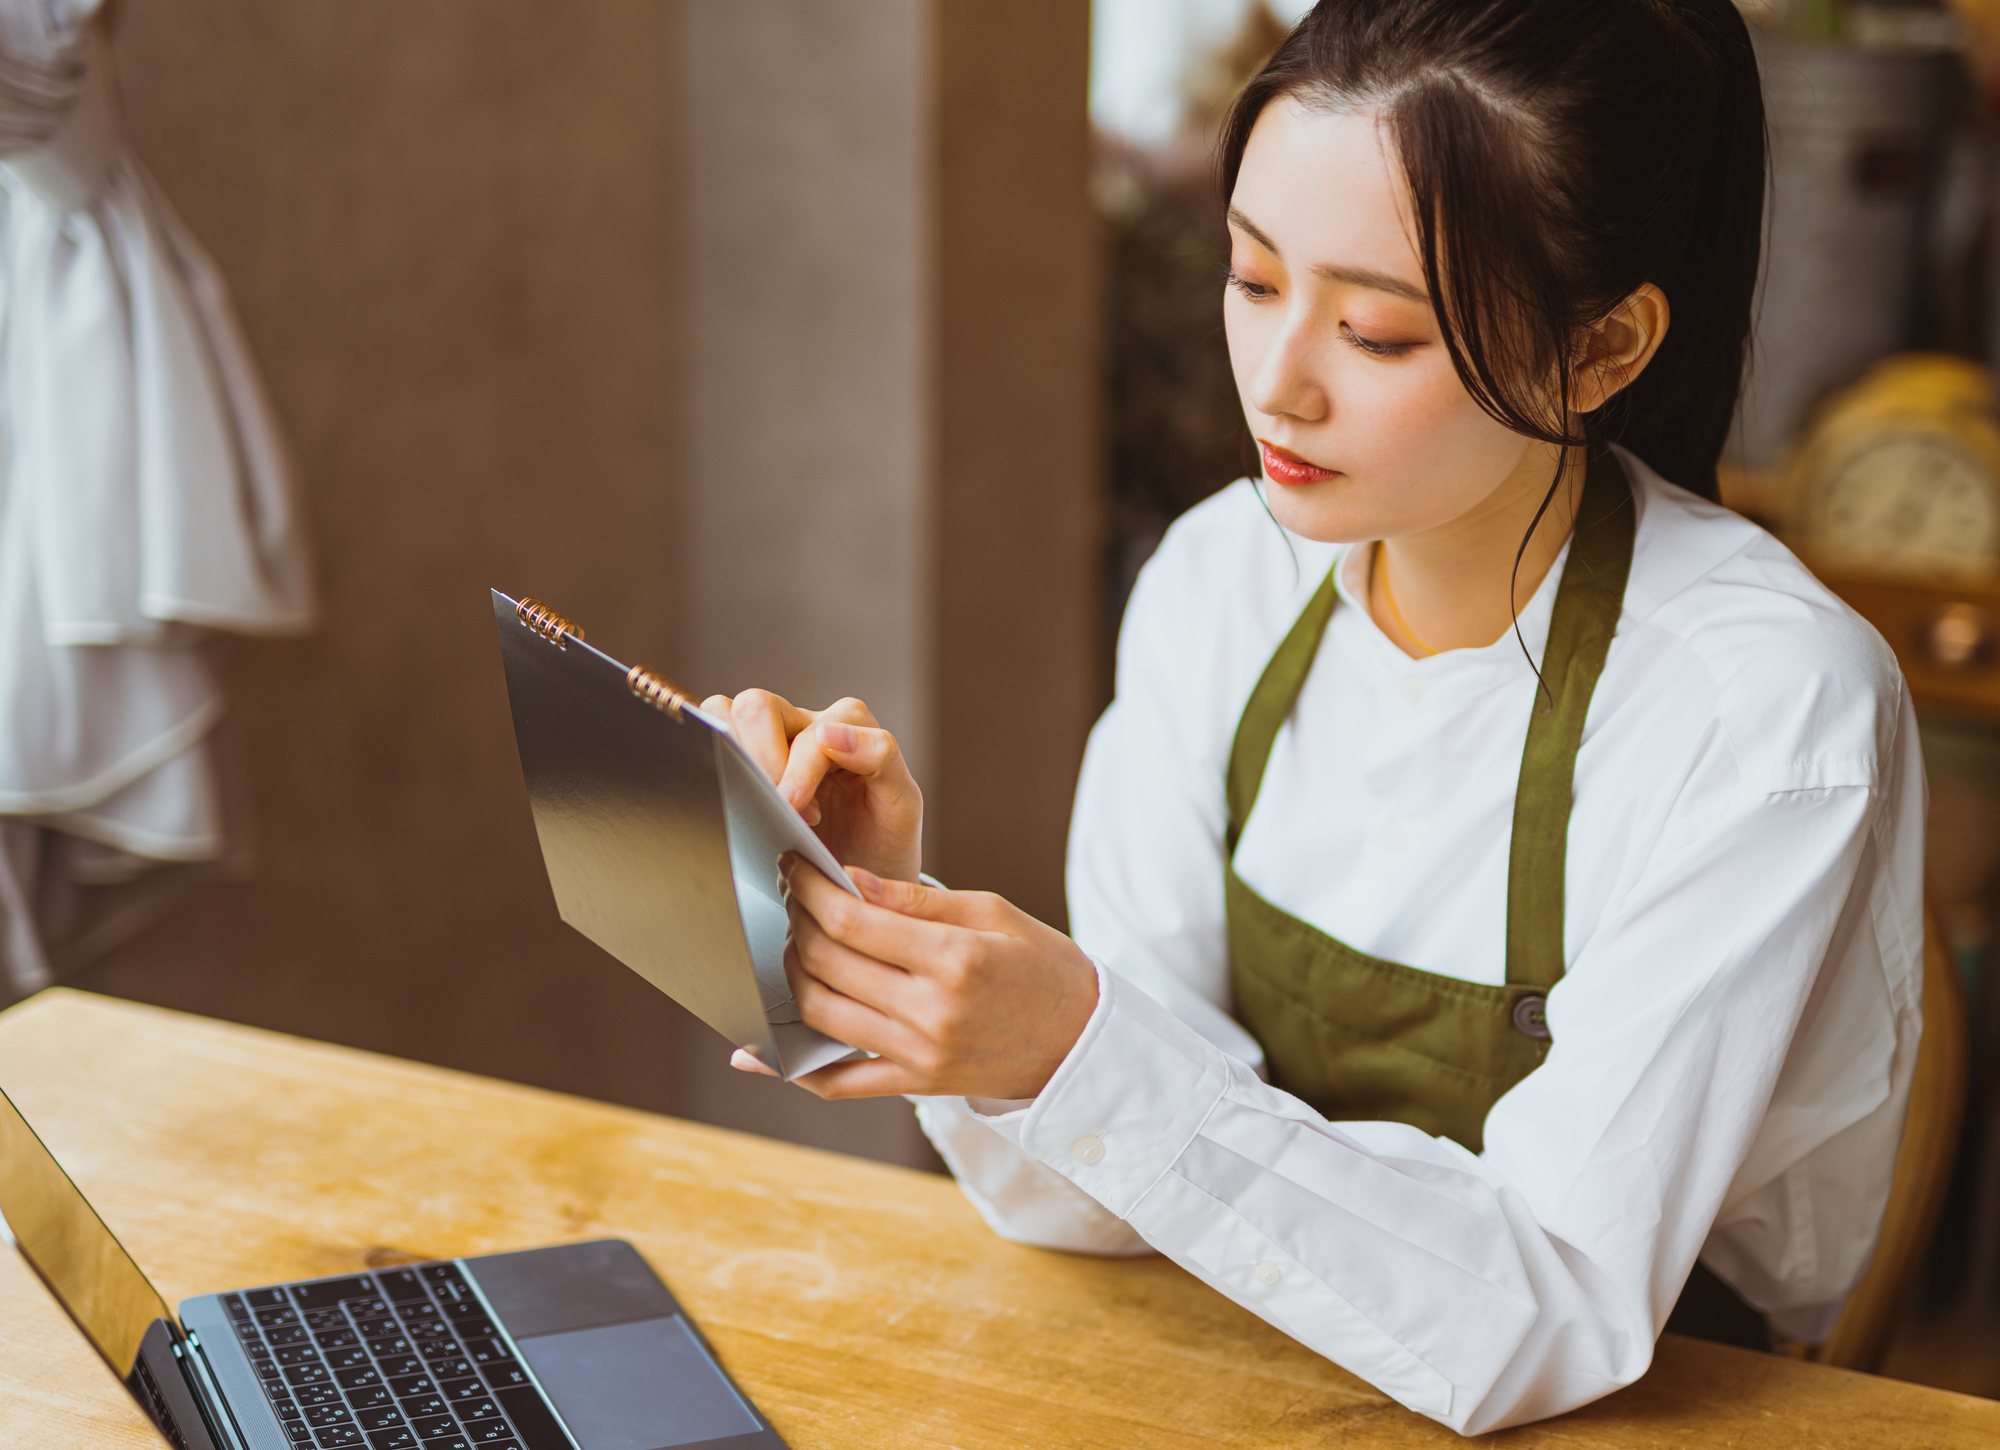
(578, 1347)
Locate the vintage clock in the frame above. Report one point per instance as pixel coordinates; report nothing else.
(1900, 474)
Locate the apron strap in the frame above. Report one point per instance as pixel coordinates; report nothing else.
(1589, 600)
(1277, 691)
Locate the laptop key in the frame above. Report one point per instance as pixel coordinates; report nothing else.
(332, 1291)
(370, 1397)
(486, 1351)
(263, 1298)
(412, 1384)
(389, 1344)
(465, 1389)
(450, 1368)
(307, 1374)
(437, 1349)
(403, 1438)
(432, 1427)
(330, 1317)
(335, 1336)
(299, 1432)
(334, 1437)
(492, 1433)
(505, 1375)
(418, 1406)
(479, 1409)
(298, 1354)
(277, 1315)
(320, 1415)
(354, 1379)
(346, 1358)
(400, 1366)
(383, 1417)
(475, 1326)
(286, 1334)
(452, 1440)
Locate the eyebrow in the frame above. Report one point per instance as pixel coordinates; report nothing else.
(1353, 276)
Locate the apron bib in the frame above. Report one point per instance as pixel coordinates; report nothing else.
(1361, 1038)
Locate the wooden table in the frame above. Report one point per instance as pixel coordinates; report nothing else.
(860, 1305)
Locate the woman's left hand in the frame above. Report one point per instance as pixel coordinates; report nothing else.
(958, 992)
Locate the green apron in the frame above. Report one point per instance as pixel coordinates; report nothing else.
(1361, 1038)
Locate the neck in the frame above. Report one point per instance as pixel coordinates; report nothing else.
(1455, 586)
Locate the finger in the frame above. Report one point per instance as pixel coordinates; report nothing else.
(905, 941)
(860, 747)
(764, 725)
(744, 1060)
(885, 988)
(905, 923)
(871, 1077)
(856, 1023)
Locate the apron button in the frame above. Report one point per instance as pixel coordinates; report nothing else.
(1531, 1017)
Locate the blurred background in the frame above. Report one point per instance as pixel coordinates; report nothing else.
(836, 346)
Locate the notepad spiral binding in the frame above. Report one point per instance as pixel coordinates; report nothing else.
(658, 691)
(545, 621)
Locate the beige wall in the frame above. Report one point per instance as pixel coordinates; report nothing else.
(646, 307)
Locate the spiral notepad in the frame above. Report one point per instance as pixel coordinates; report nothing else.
(661, 837)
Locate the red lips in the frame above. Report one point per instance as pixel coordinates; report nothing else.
(1283, 466)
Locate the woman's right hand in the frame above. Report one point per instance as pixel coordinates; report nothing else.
(840, 770)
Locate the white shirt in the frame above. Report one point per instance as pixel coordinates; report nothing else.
(1733, 1038)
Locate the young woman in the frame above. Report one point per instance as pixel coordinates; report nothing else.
(1496, 886)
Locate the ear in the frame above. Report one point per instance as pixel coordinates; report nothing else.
(1618, 347)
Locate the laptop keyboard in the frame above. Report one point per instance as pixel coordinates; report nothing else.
(404, 1359)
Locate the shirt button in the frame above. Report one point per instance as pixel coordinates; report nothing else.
(1413, 691)
(1087, 1149)
(1265, 1273)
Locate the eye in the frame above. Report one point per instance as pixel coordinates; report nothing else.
(1377, 349)
(1255, 291)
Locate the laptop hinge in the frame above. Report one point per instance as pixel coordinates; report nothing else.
(221, 1424)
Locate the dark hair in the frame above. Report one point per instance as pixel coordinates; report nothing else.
(1560, 154)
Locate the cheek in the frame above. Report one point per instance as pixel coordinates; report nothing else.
(1418, 452)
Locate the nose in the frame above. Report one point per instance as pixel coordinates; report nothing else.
(1285, 381)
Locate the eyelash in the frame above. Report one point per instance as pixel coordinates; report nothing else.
(1258, 292)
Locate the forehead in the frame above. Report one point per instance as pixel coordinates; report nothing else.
(1327, 187)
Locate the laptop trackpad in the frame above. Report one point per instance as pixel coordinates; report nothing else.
(641, 1386)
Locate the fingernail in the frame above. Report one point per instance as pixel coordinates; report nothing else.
(744, 1062)
(868, 881)
(837, 737)
(811, 813)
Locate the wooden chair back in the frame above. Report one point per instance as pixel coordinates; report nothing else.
(1923, 1167)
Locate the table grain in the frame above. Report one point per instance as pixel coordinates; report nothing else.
(860, 1305)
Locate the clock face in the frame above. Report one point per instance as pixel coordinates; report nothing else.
(1914, 499)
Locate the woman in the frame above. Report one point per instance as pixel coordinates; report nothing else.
(1499, 886)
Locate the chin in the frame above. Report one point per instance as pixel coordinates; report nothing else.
(1322, 512)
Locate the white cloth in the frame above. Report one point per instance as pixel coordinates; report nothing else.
(145, 497)
(1733, 1039)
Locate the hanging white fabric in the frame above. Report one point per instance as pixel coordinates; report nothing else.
(146, 499)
